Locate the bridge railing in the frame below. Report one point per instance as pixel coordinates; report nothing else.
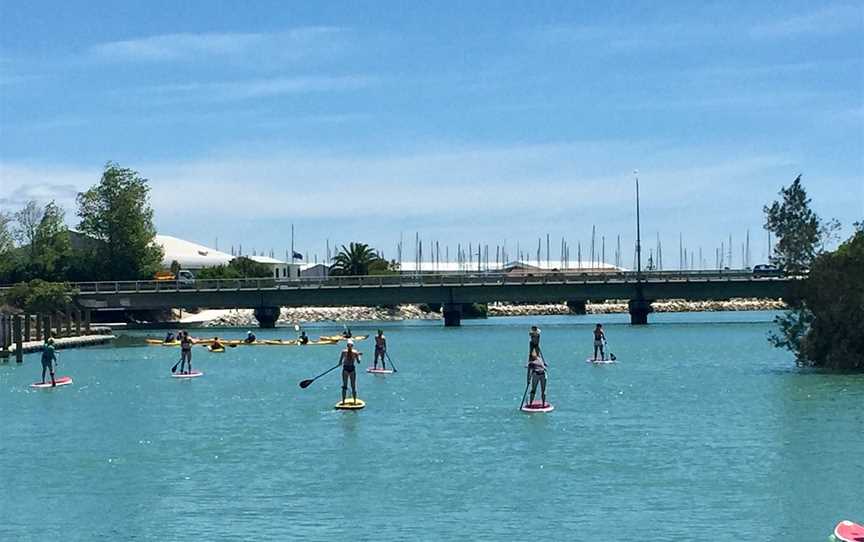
(408, 280)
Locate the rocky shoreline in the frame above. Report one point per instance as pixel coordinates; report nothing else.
(291, 315)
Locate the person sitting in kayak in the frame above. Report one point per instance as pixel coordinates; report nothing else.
(250, 338)
(216, 345)
(347, 333)
(599, 339)
(380, 349)
(169, 338)
(49, 357)
(348, 359)
(185, 352)
(534, 340)
(537, 373)
(303, 339)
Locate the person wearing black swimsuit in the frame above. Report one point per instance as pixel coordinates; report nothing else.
(348, 359)
(599, 339)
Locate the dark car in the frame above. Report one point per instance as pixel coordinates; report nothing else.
(766, 270)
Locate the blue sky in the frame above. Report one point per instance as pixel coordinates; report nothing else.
(478, 122)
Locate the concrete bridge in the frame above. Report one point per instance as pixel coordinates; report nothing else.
(452, 291)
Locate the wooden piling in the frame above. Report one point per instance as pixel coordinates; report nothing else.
(39, 324)
(4, 347)
(19, 339)
(78, 322)
(68, 321)
(27, 326)
(87, 320)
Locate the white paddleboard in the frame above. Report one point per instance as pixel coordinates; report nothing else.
(193, 374)
(60, 381)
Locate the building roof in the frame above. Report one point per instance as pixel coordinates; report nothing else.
(190, 255)
(267, 260)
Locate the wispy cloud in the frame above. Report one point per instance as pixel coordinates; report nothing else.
(623, 38)
(21, 183)
(827, 20)
(245, 89)
(468, 190)
(293, 43)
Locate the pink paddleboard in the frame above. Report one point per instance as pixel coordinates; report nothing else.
(193, 374)
(379, 371)
(60, 380)
(537, 406)
(848, 531)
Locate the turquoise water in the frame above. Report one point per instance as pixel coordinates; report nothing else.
(701, 426)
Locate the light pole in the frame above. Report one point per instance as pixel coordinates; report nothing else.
(638, 231)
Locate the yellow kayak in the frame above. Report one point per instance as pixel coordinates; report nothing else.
(295, 342)
(338, 338)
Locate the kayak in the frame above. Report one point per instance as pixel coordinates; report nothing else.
(338, 338)
(537, 406)
(160, 342)
(350, 404)
(848, 531)
(237, 342)
(295, 342)
(60, 381)
(163, 343)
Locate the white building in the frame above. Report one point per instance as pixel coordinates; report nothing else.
(195, 257)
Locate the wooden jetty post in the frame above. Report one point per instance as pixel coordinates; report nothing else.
(19, 339)
(5, 338)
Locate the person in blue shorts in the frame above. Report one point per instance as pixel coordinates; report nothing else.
(49, 357)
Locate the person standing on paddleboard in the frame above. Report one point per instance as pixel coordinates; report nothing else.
(49, 356)
(380, 349)
(348, 359)
(537, 374)
(185, 352)
(534, 340)
(599, 339)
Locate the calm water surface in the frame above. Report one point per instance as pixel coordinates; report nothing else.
(702, 425)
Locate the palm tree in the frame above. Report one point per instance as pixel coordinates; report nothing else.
(355, 259)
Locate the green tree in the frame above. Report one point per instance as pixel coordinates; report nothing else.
(356, 259)
(53, 249)
(823, 326)
(238, 268)
(797, 228)
(38, 296)
(44, 239)
(27, 220)
(7, 242)
(117, 212)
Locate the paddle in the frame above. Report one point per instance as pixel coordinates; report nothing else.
(611, 355)
(525, 393)
(305, 383)
(395, 370)
(174, 369)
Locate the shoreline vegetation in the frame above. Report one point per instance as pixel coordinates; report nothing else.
(291, 315)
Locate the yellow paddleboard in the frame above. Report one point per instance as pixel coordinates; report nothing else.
(350, 404)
